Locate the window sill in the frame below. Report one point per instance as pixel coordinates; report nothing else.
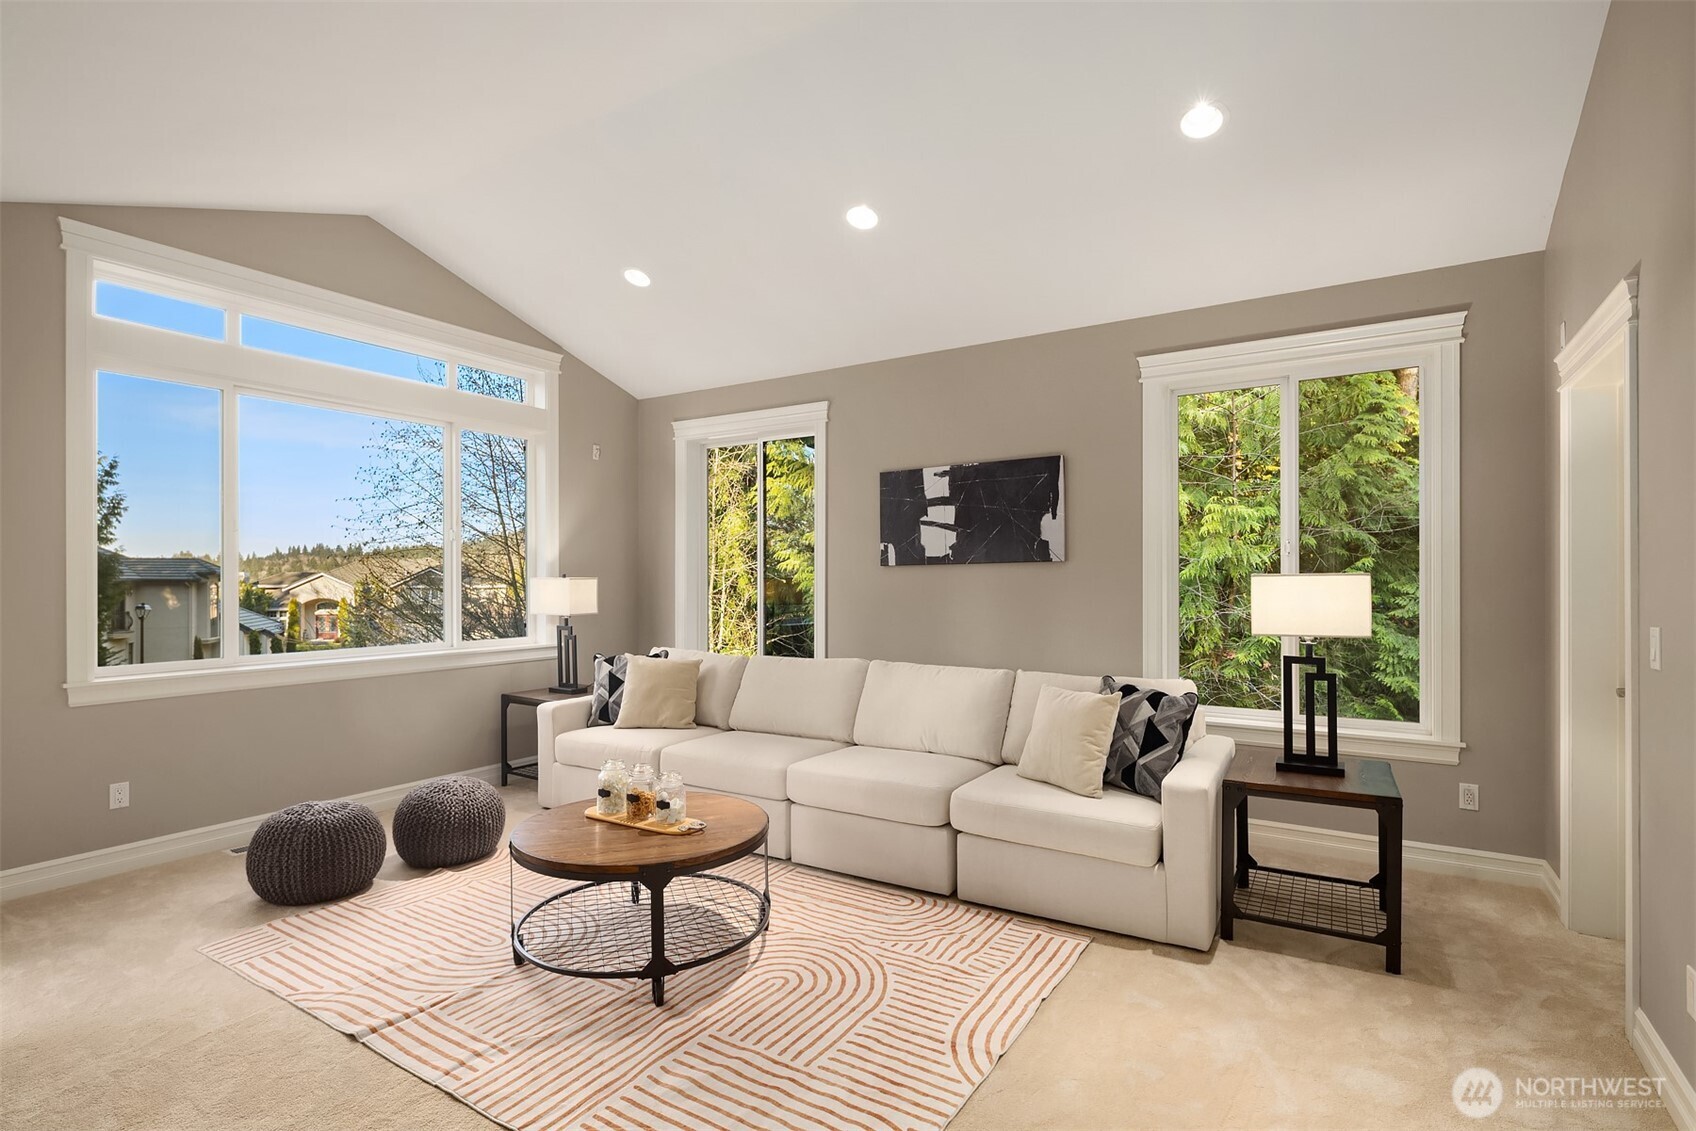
(244, 677)
(1370, 744)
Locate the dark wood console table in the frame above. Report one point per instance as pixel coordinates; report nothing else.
(1369, 911)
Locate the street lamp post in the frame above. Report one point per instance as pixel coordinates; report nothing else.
(141, 612)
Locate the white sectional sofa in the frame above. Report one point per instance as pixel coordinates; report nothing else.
(906, 773)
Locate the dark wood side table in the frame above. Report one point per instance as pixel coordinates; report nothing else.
(532, 698)
(1327, 905)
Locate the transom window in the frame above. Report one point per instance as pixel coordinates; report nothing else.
(1334, 452)
(281, 478)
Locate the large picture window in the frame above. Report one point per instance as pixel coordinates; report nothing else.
(283, 484)
(750, 532)
(1324, 453)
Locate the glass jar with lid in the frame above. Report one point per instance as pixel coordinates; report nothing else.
(670, 798)
(639, 793)
(610, 788)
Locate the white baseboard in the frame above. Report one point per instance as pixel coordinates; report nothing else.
(67, 870)
(1676, 1091)
(1473, 863)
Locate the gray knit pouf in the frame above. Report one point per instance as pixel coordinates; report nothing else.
(315, 851)
(449, 821)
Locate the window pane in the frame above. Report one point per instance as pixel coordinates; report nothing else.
(127, 304)
(493, 515)
(341, 528)
(313, 345)
(789, 547)
(1228, 530)
(733, 549)
(158, 525)
(1360, 513)
(490, 384)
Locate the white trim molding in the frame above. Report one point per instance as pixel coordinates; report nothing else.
(691, 439)
(1676, 1090)
(31, 879)
(1440, 859)
(1430, 343)
(94, 343)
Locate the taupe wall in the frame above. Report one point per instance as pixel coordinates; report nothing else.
(1076, 393)
(200, 760)
(1628, 205)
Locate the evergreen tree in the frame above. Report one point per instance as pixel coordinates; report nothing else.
(110, 506)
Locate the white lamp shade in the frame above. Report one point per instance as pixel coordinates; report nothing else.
(564, 596)
(1310, 604)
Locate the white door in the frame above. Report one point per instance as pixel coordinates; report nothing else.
(1596, 680)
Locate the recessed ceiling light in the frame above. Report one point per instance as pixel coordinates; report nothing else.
(637, 278)
(862, 217)
(1203, 120)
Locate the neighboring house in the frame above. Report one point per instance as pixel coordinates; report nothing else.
(180, 618)
(320, 593)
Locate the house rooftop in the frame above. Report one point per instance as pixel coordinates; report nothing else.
(165, 569)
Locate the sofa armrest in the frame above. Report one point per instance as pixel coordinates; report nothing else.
(552, 720)
(1189, 832)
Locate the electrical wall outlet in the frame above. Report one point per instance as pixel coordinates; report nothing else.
(118, 795)
(1655, 649)
(1690, 990)
(594, 451)
(1468, 796)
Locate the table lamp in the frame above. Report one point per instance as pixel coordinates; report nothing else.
(565, 597)
(1308, 606)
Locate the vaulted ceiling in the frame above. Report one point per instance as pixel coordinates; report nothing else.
(1024, 159)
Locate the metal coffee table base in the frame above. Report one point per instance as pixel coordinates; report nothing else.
(649, 927)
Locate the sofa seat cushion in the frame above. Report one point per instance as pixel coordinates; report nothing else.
(588, 748)
(1120, 826)
(743, 761)
(909, 786)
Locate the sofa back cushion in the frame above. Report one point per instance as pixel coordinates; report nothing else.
(1028, 685)
(957, 711)
(715, 692)
(804, 698)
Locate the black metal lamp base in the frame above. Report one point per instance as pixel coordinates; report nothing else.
(573, 689)
(1329, 769)
(1310, 760)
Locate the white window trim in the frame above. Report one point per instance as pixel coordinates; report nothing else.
(1432, 343)
(94, 343)
(692, 438)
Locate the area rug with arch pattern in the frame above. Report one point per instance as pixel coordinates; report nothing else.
(860, 1006)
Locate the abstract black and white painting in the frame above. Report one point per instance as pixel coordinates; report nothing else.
(1008, 510)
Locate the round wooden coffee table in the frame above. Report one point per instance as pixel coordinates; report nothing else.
(599, 929)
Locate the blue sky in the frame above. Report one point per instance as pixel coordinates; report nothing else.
(299, 465)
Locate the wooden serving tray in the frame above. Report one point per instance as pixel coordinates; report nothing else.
(685, 827)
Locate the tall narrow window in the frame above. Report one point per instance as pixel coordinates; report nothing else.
(158, 541)
(750, 515)
(493, 514)
(1334, 452)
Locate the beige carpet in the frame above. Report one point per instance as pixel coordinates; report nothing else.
(859, 1007)
(111, 1018)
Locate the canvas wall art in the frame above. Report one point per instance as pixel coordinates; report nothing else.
(1008, 510)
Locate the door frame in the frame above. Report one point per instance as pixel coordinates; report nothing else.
(1614, 323)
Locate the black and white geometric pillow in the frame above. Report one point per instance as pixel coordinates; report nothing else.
(1149, 736)
(608, 695)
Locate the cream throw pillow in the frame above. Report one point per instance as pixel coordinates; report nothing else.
(660, 694)
(1070, 734)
